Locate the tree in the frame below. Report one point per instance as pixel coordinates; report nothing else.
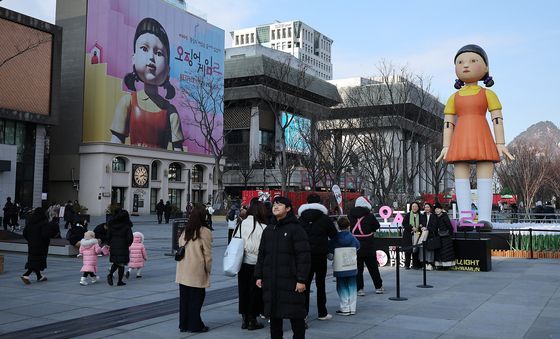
(282, 91)
(435, 171)
(204, 96)
(528, 173)
(21, 47)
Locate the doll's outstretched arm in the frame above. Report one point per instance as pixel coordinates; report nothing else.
(119, 127)
(448, 128)
(498, 122)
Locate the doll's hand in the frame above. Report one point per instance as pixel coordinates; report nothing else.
(502, 151)
(443, 154)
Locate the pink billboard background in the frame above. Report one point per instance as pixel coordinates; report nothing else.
(111, 25)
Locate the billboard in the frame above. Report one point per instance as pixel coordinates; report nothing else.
(149, 70)
(296, 132)
(25, 68)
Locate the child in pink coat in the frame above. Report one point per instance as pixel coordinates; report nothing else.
(137, 255)
(89, 249)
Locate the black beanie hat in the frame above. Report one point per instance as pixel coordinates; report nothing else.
(313, 199)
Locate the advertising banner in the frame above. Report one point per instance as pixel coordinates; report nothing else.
(153, 76)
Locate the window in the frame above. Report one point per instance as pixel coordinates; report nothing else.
(252, 37)
(10, 132)
(289, 44)
(283, 33)
(119, 164)
(278, 33)
(174, 197)
(237, 137)
(283, 45)
(273, 45)
(155, 168)
(273, 35)
(237, 39)
(267, 138)
(174, 172)
(289, 32)
(197, 173)
(242, 42)
(247, 38)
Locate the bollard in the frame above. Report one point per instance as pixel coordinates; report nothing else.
(531, 243)
(424, 285)
(398, 264)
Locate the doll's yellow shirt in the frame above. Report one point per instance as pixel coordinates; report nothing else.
(491, 98)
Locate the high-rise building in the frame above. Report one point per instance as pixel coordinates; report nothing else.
(294, 37)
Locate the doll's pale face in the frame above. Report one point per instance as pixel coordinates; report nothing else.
(470, 67)
(150, 59)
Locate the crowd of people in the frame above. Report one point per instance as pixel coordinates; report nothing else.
(282, 255)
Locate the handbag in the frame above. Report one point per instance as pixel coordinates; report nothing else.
(233, 256)
(443, 233)
(432, 243)
(180, 254)
(345, 259)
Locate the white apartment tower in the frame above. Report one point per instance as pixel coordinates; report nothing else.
(294, 37)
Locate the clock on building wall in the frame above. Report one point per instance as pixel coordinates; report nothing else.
(140, 176)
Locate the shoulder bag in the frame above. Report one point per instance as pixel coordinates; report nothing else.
(233, 256)
(345, 259)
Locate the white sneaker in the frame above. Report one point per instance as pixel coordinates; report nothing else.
(327, 317)
(93, 280)
(429, 267)
(361, 293)
(83, 281)
(380, 290)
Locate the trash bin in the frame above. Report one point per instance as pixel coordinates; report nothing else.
(177, 228)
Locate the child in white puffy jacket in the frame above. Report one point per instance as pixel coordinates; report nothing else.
(138, 255)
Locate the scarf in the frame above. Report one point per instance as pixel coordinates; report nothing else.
(414, 219)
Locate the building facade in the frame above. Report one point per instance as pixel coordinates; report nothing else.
(129, 135)
(29, 105)
(263, 88)
(310, 46)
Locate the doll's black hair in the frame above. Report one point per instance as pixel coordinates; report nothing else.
(152, 26)
(487, 79)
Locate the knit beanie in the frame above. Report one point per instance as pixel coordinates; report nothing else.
(362, 202)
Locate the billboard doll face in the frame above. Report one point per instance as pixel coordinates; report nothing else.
(150, 59)
(470, 67)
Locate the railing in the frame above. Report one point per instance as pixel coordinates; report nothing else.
(511, 218)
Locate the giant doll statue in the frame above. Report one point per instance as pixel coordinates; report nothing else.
(467, 138)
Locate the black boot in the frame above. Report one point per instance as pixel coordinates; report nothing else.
(245, 322)
(254, 324)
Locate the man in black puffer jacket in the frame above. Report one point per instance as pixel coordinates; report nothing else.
(282, 269)
(319, 228)
(364, 224)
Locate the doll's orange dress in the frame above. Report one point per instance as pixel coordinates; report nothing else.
(472, 140)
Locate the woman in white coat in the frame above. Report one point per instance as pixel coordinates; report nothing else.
(250, 297)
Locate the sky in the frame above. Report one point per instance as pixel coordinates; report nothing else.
(521, 38)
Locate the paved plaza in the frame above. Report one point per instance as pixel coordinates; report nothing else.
(518, 298)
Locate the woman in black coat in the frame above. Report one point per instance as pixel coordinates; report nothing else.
(38, 233)
(445, 255)
(119, 237)
(412, 225)
(429, 223)
(367, 256)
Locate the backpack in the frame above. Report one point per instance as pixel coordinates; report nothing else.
(358, 227)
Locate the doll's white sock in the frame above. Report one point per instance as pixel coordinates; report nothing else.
(484, 190)
(463, 192)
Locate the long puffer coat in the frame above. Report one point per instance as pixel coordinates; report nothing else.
(137, 251)
(38, 233)
(119, 237)
(446, 251)
(284, 260)
(369, 225)
(319, 227)
(89, 249)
